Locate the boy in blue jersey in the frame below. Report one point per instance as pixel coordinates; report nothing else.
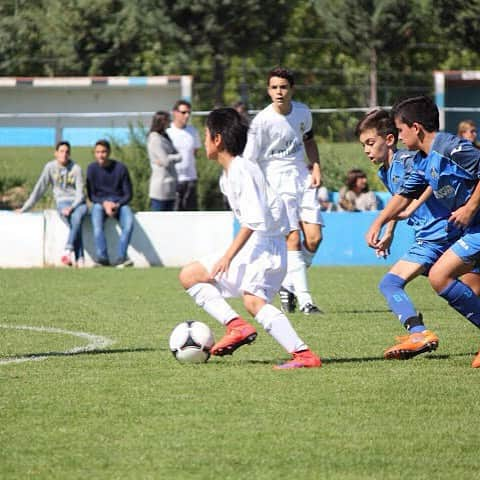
(378, 135)
(451, 167)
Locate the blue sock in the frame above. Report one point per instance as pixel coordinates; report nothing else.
(392, 289)
(463, 300)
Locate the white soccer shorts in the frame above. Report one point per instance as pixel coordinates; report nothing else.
(258, 268)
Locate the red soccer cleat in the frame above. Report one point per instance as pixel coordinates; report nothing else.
(303, 359)
(239, 333)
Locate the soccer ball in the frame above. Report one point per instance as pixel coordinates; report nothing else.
(191, 341)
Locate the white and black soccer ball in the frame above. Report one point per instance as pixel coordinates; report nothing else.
(191, 341)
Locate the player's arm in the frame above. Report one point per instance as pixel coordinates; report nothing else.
(415, 204)
(462, 217)
(396, 204)
(311, 150)
(238, 242)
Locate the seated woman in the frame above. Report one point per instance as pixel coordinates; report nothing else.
(355, 196)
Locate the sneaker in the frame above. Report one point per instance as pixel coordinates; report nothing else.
(67, 258)
(303, 359)
(287, 300)
(238, 334)
(123, 263)
(80, 262)
(412, 345)
(476, 361)
(310, 309)
(102, 262)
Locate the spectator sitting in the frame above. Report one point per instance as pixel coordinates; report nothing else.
(355, 196)
(163, 156)
(468, 130)
(110, 190)
(66, 178)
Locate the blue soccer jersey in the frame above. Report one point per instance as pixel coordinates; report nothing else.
(430, 220)
(452, 169)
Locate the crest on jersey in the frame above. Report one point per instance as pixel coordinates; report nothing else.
(433, 173)
(395, 178)
(302, 127)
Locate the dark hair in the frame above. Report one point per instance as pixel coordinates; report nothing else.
(421, 109)
(352, 177)
(62, 142)
(160, 121)
(103, 143)
(381, 121)
(228, 123)
(182, 102)
(282, 73)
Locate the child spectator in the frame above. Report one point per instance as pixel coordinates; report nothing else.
(355, 196)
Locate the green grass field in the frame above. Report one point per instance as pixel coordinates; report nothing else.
(130, 411)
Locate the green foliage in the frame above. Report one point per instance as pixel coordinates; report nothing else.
(131, 411)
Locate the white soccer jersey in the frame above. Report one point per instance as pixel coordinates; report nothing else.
(275, 141)
(253, 202)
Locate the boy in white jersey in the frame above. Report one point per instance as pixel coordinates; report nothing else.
(255, 263)
(279, 137)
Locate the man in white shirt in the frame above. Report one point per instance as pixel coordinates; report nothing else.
(186, 140)
(279, 137)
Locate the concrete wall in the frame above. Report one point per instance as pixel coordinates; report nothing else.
(167, 238)
(176, 238)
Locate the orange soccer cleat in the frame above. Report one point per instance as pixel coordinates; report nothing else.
(476, 361)
(303, 359)
(239, 332)
(409, 346)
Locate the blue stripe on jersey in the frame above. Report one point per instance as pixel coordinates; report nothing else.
(429, 221)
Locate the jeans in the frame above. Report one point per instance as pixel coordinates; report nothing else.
(125, 219)
(161, 205)
(186, 196)
(74, 222)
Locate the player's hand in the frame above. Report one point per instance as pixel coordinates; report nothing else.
(372, 235)
(385, 242)
(316, 176)
(382, 253)
(462, 217)
(403, 215)
(221, 267)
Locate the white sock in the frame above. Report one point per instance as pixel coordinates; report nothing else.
(279, 327)
(209, 298)
(296, 278)
(307, 256)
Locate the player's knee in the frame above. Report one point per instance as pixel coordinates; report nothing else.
(438, 279)
(312, 242)
(293, 240)
(188, 276)
(252, 303)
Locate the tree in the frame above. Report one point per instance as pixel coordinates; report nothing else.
(216, 30)
(372, 30)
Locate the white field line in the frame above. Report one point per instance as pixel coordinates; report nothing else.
(95, 342)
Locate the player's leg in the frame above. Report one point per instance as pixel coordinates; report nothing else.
(279, 327)
(76, 221)
(195, 278)
(472, 279)
(454, 263)
(392, 286)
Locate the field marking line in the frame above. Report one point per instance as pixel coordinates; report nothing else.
(96, 342)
